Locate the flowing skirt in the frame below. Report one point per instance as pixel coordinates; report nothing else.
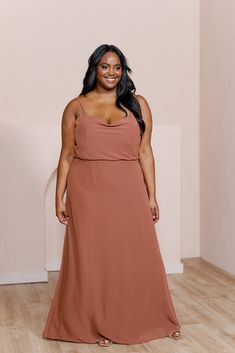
(112, 281)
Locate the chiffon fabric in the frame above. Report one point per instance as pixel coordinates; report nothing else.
(112, 281)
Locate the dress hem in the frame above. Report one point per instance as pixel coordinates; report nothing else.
(118, 341)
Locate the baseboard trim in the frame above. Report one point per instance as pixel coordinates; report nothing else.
(42, 276)
(174, 268)
(23, 277)
(53, 265)
(170, 268)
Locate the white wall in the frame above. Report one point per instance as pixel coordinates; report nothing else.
(45, 48)
(217, 128)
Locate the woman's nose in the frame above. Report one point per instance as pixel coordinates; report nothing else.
(111, 71)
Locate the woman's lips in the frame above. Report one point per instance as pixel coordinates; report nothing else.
(109, 79)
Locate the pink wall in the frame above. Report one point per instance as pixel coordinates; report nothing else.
(45, 46)
(217, 131)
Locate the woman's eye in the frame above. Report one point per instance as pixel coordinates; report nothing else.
(105, 67)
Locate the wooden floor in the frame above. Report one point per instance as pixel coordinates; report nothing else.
(204, 299)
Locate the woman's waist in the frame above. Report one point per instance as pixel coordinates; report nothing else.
(112, 154)
(93, 159)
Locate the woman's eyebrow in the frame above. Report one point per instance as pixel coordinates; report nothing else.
(109, 64)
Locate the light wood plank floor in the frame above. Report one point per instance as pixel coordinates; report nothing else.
(204, 299)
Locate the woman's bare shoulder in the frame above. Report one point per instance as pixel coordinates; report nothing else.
(145, 109)
(141, 99)
(74, 106)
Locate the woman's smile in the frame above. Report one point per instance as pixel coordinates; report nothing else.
(110, 79)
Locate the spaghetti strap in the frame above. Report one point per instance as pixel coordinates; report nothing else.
(80, 104)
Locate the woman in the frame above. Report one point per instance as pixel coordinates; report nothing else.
(112, 285)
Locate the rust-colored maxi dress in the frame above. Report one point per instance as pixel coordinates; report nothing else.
(112, 281)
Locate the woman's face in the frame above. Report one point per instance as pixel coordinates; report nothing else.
(109, 70)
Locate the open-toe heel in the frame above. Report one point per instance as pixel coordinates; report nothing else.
(175, 335)
(105, 342)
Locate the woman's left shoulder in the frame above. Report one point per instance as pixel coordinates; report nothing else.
(142, 100)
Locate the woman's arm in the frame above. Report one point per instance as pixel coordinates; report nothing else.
(66, 157)
(146, 157)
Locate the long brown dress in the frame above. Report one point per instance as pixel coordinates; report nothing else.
(112, 281)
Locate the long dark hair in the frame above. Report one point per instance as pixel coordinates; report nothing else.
(125, 87)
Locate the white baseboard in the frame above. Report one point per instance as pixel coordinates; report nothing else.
(42, 276)
(174, 268)
(54, 265)
(23, 277)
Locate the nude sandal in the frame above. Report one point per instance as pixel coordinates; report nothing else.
(105, 342)
(175, 335)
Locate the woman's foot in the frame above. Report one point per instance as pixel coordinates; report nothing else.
(175, 335)
(105, 342)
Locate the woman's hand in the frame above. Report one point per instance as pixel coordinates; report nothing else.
(61, 212)
(154, 208)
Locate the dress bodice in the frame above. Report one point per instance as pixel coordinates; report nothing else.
(98, 140)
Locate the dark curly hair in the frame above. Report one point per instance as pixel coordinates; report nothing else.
(125, 87)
